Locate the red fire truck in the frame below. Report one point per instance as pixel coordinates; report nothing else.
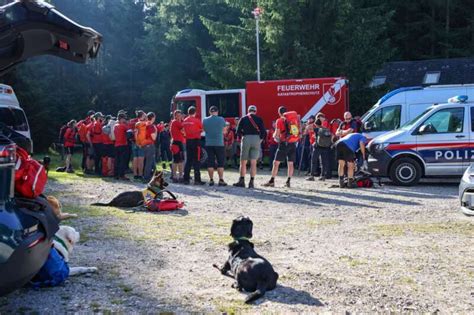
(305, 96)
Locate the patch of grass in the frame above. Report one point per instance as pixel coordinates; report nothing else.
(231, 307)
(459, 228)
(117, 302)
(314, 223)
(353, 262)
(406, 281)
(125, 288)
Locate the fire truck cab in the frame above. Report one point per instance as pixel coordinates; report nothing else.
(231, 103)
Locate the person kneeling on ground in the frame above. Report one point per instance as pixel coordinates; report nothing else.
(346, 149)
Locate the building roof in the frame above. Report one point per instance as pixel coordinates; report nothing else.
(426, 72)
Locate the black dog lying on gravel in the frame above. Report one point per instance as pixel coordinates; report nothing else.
(252, 272)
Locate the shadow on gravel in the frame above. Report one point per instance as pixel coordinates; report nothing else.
(374, 197)
(176, 213)
(286, 295)
(296, 198)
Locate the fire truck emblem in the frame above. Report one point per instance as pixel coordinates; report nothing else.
(331, 93)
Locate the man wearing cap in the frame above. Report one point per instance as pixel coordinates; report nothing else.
(214, 128)
(253, 132)
(193, 129)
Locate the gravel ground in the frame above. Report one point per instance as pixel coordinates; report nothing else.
(382, 249)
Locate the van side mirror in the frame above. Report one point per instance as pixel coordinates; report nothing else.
(426, 129)
(368, 126)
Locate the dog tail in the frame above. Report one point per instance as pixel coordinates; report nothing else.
(260, 292)
(100, 204)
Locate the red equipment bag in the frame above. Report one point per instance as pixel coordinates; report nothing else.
(292, 122)
(164, 204)
(106, 171)
(30, 175)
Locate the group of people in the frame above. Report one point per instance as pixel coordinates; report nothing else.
(110, 143)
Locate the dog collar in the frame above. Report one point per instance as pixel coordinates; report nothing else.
(60, 241)
(241, 238)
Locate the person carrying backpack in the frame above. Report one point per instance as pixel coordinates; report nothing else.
(253, 132)
(322, 142)
(287, 134)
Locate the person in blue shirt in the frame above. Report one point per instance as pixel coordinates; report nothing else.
(346, 149)
(214, 128)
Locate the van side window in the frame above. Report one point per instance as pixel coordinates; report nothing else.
(228, 104)
(385, 119)
(472, 118)
(449, 120)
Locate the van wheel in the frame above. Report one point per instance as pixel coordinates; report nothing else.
(405, 172)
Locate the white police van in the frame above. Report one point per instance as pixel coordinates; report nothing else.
(399, 106)
(12, 115)
(439, 142)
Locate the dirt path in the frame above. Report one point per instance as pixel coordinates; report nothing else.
(388, 248)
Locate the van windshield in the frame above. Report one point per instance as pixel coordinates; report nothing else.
(13, 118)
(370, 111)
(183, 105)
(412, 122)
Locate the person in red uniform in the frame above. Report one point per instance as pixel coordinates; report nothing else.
(95, 139)
(272, 144)
(177, 146)
(192, 129)
(121, 147)
(348, 126)
(286, 146)
(149, 147)
(87, 161)
(69, 142)
(229, 138)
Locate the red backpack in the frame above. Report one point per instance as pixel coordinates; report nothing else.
(30, 175)
(164, 204)
(292, 123)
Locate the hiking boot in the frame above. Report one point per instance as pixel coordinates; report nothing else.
(342, 183)
(199, 183)
(269, 184)
(70, 171)
(251, 185)
(322, 179)
(310, 179)
(211, 182)
(240, 183)
(350, 183)
(222, 183)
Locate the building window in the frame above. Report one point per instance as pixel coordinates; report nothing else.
(377, 81)
(431, 77)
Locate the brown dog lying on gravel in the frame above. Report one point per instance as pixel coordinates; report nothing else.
(131, 199)
(252, 272)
